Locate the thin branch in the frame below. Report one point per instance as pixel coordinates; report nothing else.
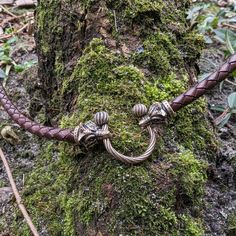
(230, 82)
(13, 18)
(229, 25)
(17, 195)
(115, 20)
(7, 36)
(7, 11)
(29, 15)
(219, 118)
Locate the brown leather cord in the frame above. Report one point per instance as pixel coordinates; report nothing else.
(67, 134)
(31, 126)
(201, 88)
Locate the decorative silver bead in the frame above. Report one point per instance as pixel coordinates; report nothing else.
(101, 118)
(139, 110)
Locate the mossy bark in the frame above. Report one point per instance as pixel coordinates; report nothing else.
(109, 55)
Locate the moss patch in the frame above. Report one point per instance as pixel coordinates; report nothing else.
(232, 225)
(82, 192)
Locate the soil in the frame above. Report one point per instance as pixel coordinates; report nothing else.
(220, 194)
(20, 156)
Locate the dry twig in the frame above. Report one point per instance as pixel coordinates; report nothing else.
(7, 36)
(17, 195)
(219, 118)
(230, 82)
(10, 19)
(28, 16)
(229, 25)
(7, 11)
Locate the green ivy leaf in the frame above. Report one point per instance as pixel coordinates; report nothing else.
(18, 68)
(214, 22)
(225, 120)
(228, 43)
(204, 76)
(221, 85)
(221, 33)
(2, 74)
(216, 107)
(12, 40)
(232, 100)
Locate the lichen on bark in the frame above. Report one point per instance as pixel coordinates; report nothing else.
(128, 51)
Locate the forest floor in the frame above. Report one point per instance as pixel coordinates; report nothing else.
(19, 61)
(220, 192)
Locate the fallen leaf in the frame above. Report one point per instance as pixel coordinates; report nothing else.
(10, 136)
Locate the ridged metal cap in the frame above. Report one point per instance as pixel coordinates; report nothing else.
(168, 108)
(101, 118)
(139, 110)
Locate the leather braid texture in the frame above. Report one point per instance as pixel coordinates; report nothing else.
(201, 88)
(67, 134)
(31, 126)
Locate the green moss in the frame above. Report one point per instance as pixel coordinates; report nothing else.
(165, 87)
(191, 44)
(81, 192)
(231, 224)
(192, 227)
(192, 131)
(191, 176)
(152, 14)
(2, 183)
(101, 72)
(160, 54)
(136, 8)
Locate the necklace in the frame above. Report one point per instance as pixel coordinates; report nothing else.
(90, 133)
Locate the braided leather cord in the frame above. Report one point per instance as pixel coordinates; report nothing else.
(31, 126)
(67, 134)
(201, 88)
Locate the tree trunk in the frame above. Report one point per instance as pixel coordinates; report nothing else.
(108, 56)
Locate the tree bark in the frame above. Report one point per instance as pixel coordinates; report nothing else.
(110, 55)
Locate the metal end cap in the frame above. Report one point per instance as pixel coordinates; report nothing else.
(101, 118)
(168, 108)
(139, 110)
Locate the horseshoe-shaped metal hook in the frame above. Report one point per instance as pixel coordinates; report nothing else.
(134, 159)
(157, 113)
